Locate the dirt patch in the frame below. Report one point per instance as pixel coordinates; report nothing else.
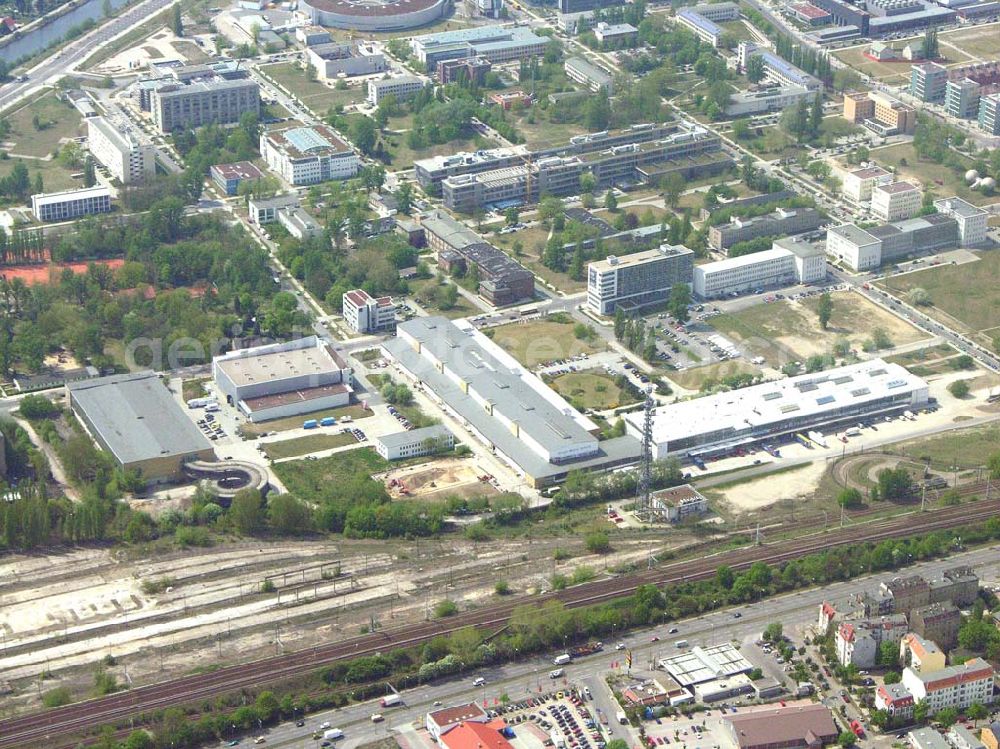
(767, 490)
(442, 478)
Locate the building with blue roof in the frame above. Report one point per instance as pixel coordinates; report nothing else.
(494, 43)
(308, 155)
(777, 69)
(707, 31)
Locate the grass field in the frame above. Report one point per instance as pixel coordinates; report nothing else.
(967, 292)
(927, 361)
(591, 389)
(317, 96)
(295, 422)
(194, 388)
(191, 52)
(968, 448)
(423, 290)
(403, 156)
(693, 379)
(790, 331)
(533, 343)
(940, 180)
(541, 133)
(311, 443)
(54, 176)
(977, 42)
(59, 121)
(310, 478)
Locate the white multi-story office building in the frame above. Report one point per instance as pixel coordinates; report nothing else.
(787, 262)
(415, 443)
(854, 247)
(70, 204)
(858, 184)
(121, 149)
(402, 87)
(636, 281)
(308, 155)
(366, 314)
(896, 201)
(954, 686)
(972, 221)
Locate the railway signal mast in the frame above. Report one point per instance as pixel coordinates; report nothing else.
(644, 499)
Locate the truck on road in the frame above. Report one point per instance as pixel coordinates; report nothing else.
(333, 734)
(562, 660)
(391, 700)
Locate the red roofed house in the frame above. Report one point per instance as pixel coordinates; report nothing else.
(895, 699)
(476, 736)
(955, 686)
(441, 721)
(7, 26)
(858, 641)
(827, 613)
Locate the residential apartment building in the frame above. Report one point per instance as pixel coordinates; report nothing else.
(892, 116)
(961, 98)
(990, 735)
(401, 86)
(960, 585)
(896, 700)
(858, 107)
(972, 220)
(363, 313)
(718, 12)
(960, 737)
(308, 155)
(953, 686)
(586, 73)
(857, 185)
(989, 114)
(782, 222)
(928, 81)
(895, 201)
(496, 43)
(71, 204)
(123, 150)
(203, 101)
(787, 262)
(633, 282)
(415, 443)
(263, 211)
(858, 641)
(854, 247)
(921, 654)
(937, 622)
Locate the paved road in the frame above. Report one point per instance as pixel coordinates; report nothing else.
(797, 611)
(64, 61)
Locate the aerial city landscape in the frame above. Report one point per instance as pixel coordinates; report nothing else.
(500, 374)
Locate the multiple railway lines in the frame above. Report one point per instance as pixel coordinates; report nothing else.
(56, 727)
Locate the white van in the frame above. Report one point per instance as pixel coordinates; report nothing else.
(479, 681)
(681, 644)
(556, 673)
(562, 660)
(377, 718)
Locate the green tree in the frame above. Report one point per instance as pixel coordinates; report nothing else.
(774, 632)
(363, 135)
(892, 677)
(946, 716)
(610, 201)
(888, 654)
(138, 739)
(921, 711)
(824, 310)
(672, 186)
(755, 69)
(37, 407)
(597, 542)
(267, 706)
(932, 49)
(880, 718)
(246, 512)
(588, 182)
(850, 498)
(57, 697)
(445, 608)
(959, 388)
(846, 739)
(680, 298)
(176, 24)
(89, 173)
(512, 215)
(976, 712)
(993, 464)
(288, 515)
(725, 577)
(404, 198)
(597, 112)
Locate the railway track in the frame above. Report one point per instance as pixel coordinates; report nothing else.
(54, 726)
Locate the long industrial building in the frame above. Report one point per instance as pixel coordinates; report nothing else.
(862, 249)
(691, 151)
(520, 418)
(780, 222)
(719, 423)
(434, 170)
(202, 100)
(787, 262)
(633, 282)
(136, 419)
(496, 44)
(283, 379)
(70, 204)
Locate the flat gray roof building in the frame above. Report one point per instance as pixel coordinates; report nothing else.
(135, 418)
